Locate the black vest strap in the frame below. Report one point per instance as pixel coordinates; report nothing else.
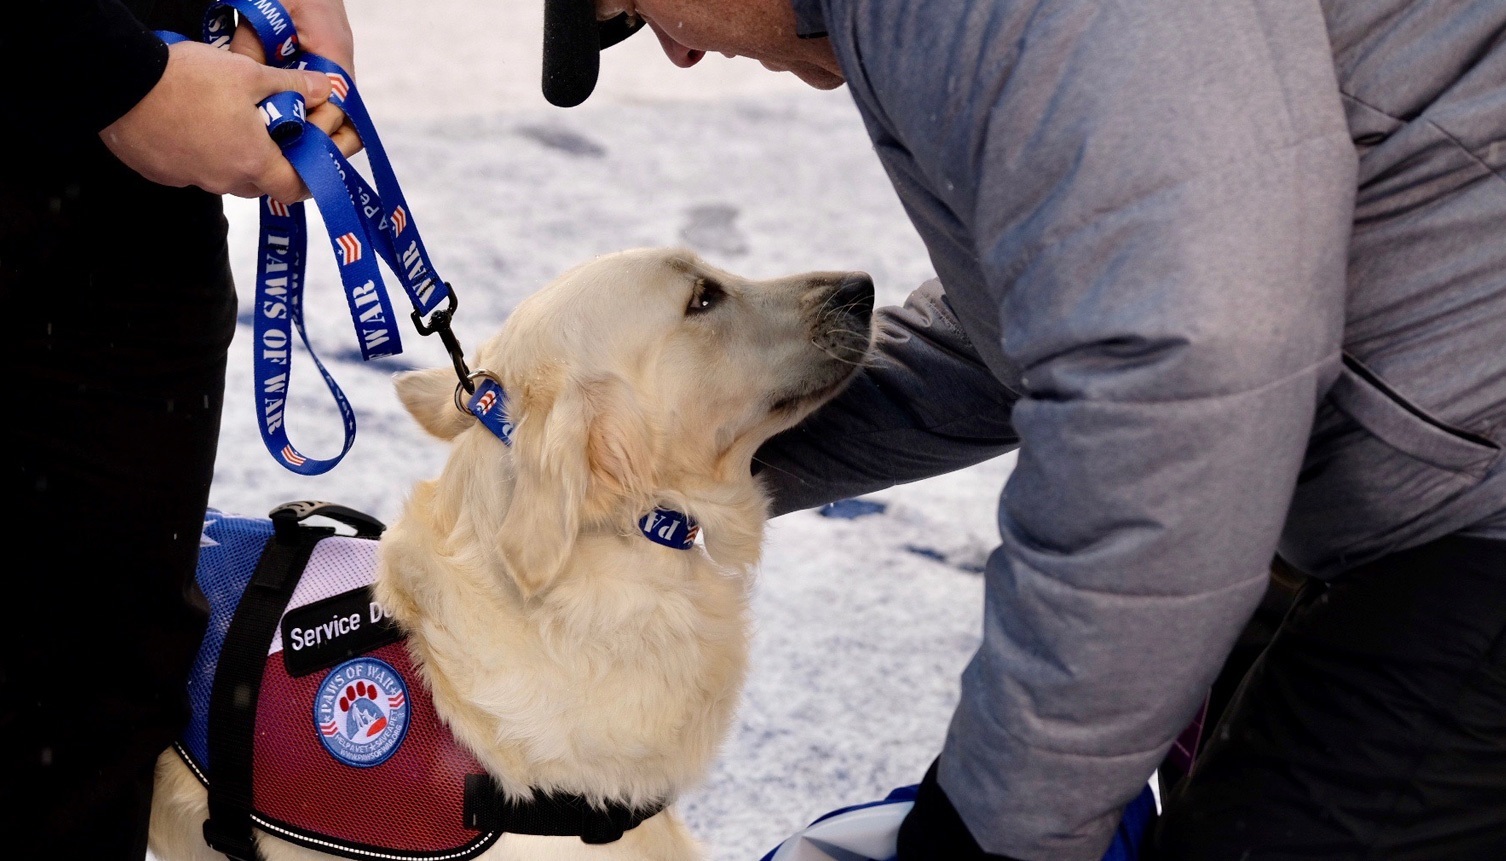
(237, 684)
(550, 815)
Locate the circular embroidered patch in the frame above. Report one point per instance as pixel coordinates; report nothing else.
(361, 712)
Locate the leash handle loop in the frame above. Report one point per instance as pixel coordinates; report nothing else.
(364, 223)
(270, 21)
(285, 115)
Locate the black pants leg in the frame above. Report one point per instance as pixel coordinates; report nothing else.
(120, 310)
(1374, 727)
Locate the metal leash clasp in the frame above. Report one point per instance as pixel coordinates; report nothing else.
(440, 322)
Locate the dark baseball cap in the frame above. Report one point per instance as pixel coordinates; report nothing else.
(573, 42)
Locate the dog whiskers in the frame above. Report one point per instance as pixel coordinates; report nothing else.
(769, 466)
(845, 309)
(830, 349)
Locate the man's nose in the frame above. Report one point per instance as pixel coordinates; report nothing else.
(678, 54)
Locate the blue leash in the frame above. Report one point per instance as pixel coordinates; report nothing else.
(365, 222)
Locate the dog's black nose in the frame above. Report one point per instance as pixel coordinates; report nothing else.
(855, 295)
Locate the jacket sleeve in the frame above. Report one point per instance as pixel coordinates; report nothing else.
(1158, 199)
(78, 66)
(924, 406)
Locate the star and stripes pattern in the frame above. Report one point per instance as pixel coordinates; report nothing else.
(350, 248)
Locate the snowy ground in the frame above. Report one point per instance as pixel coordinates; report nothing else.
(863, 625)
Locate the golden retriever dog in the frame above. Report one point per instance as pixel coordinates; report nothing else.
(566, 651)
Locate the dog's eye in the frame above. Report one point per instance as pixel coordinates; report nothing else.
(707, 295)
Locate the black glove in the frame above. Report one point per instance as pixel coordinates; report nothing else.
(933, 831)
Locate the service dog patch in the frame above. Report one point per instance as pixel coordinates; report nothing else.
(361, 712)
(323, 633)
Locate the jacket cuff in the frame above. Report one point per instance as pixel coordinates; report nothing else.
(933, 830)
(127, 61)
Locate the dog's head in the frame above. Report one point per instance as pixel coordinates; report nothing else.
(647, 377)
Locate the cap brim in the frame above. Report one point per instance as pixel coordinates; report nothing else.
(573, 42)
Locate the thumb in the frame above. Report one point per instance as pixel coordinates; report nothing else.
(313, 86)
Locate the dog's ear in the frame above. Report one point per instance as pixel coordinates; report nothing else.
(575, 456)
(619, 447)
(430, 398)
(550, 475)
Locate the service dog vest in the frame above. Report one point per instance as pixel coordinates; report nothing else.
(310, 720)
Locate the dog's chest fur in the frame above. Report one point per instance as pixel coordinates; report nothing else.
(617, 681)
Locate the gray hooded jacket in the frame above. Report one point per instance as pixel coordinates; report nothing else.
(1232, 277)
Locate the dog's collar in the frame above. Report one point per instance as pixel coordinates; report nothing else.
(489, 404)
(671, 528)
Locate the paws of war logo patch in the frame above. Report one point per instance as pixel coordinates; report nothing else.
(361, 712)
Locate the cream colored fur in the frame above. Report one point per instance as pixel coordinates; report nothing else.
(563, 648)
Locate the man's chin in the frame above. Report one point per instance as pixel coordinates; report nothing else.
(815, 76)
(823, 80)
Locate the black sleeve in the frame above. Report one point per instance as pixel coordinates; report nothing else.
(933, 830)
(78, 65)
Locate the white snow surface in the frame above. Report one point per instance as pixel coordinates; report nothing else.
(862, 626)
